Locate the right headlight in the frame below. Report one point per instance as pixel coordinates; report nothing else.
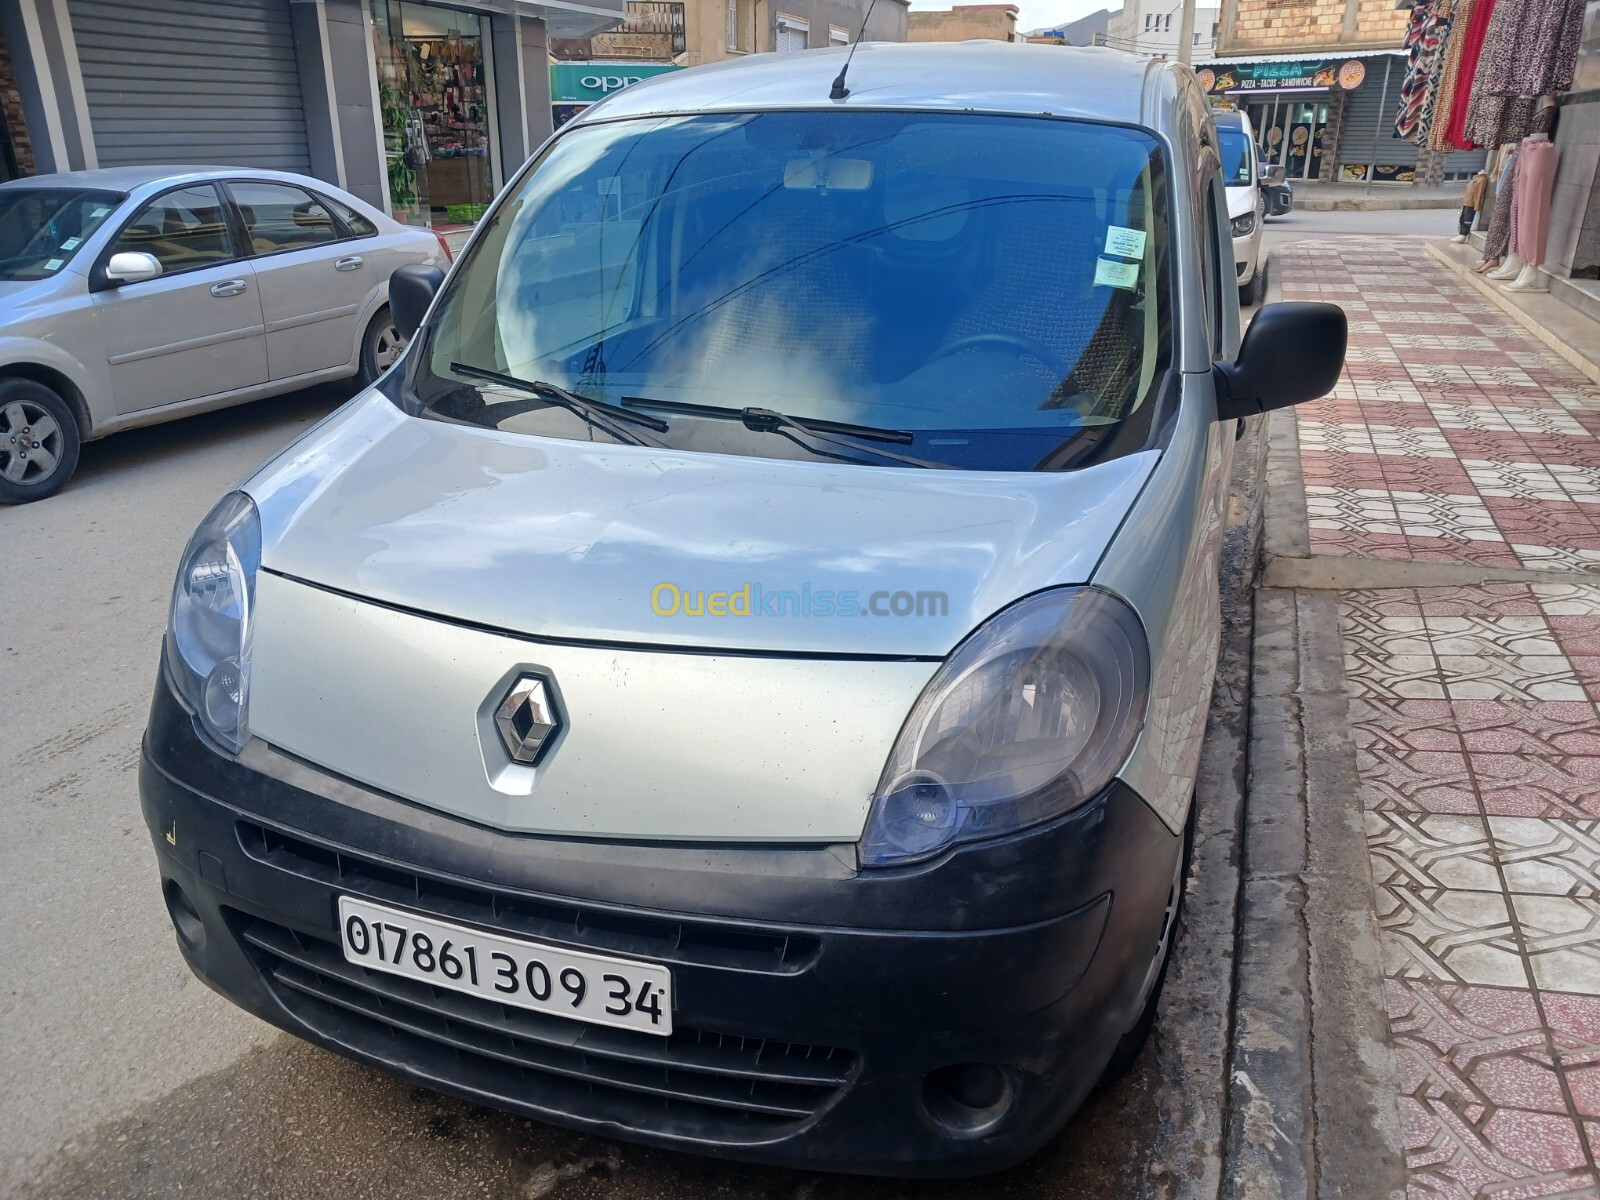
(1030, 717)
(209, 627)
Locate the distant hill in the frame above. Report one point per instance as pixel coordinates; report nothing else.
(1080, 32)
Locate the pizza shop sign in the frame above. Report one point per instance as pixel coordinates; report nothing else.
(1306, 74)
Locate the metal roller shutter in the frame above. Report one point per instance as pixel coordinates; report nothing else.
(1369, 114)
(191, 81)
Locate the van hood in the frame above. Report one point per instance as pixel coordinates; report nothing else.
(578, 541)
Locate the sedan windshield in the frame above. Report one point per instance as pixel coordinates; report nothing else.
(1236, 157)
(42, 228)
(964, 291)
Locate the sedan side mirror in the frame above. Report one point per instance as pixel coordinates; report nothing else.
(1292, 352)
(132, 266)
(411, 289)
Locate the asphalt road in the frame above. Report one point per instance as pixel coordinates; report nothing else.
(121, 1075)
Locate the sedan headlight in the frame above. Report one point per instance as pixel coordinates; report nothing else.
(208, 629)
(1244, 225)
(1030, 717)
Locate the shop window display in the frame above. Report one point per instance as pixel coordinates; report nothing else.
(435, 91)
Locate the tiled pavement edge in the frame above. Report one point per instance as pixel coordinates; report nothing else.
(1445, 715)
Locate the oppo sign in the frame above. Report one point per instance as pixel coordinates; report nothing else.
(586, 82)
(608, 83)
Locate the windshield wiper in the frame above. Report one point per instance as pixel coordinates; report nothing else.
(596, 413)
(834, 433)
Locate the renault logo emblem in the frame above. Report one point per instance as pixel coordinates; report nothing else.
(527, 719)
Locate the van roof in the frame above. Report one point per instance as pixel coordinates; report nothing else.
(977, 76)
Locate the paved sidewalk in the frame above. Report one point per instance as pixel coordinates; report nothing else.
(1455, 437)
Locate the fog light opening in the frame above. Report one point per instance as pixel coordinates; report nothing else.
(968, 1099)
(185, 919)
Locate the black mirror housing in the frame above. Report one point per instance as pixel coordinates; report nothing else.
(1292, 352)
(411, 289)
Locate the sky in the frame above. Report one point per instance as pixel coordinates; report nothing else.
(1036, 14)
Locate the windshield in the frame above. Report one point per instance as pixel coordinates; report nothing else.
(42, 228)
(989, 290)
(1237, 157)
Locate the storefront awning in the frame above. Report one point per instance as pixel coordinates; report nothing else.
(578, 18)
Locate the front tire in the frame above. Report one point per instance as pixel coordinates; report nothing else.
(1250, 292)
(381, 347)
(38, 441)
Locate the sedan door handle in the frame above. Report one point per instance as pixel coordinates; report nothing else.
(348, 264)
(228, 287)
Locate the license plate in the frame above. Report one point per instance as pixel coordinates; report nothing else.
(620, 992)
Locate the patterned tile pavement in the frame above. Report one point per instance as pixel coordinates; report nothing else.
(1455, 437)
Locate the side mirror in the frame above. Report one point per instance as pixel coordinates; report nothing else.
(1275, 174)
(132, 266)
(1292, 352)
(411, 289)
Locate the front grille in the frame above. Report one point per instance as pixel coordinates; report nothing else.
(695, 1084)
(665, 939)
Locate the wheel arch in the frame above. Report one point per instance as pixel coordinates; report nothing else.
(61, 384)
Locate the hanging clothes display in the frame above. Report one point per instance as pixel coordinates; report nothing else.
(1414, 87)
(1440, 34)
(1530, 49)
(1449, 123)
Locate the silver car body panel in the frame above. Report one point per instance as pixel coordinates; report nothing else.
(1165, 563)
(175, 358)
(540, 553)
(654, 744)
(557, 538)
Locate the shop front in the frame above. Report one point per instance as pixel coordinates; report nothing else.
(419, 108)
(1327, 117)
(576, 85)
(436, 101)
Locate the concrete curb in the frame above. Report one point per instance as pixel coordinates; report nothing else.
(1310, 1107)
(1372, 203)
(1564, 329)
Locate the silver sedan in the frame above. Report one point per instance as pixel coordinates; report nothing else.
(135, 295)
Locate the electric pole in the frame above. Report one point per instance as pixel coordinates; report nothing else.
(1186, 33)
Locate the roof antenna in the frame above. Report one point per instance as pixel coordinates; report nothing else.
(839, 91)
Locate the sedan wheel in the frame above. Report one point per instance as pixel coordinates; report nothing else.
(386, 347)
(38, 441)
(381, 347)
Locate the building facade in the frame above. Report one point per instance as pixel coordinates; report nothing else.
(1152, 28)
(963, 23)
(421, 109)
(666, 35)
(1320, 81)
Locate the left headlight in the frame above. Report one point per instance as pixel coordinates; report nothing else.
(208, 629)
(1029, 718)
(1242, 226)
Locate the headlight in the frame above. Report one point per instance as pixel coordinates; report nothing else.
(208, 630)
(1243, 225)
(1030, 717)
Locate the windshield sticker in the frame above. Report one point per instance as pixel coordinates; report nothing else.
(54, 264)
(1116, 274)
(610, 185)
(100, 210)
(1129, 243)
(71, 243)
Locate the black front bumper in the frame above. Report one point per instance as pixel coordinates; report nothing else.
(811, 1000)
